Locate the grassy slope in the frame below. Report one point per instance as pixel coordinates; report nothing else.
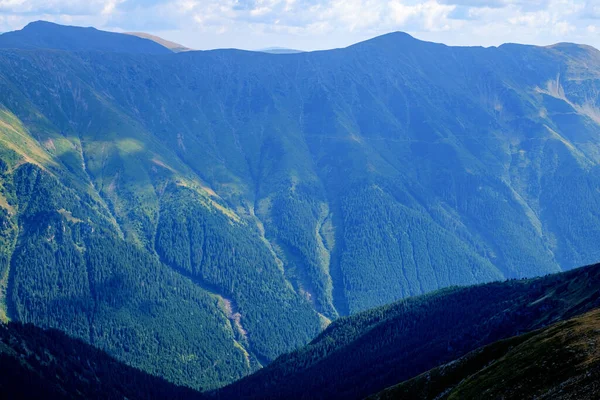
(558, 362)
(175, 47)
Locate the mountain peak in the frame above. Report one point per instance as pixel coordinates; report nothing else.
(49, 35)
(392, 40)
(391, 37)
(397, 34)
(46, 24)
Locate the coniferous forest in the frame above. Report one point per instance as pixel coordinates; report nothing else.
(239, 224)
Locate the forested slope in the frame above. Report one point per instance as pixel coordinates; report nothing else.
(198, 214)
(70, 269)
(363, 354)
(559, 361)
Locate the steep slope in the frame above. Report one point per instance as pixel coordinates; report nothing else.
(38, 364)
(231, 203)
(70, 266)
(70, 270)
(47, 35)
(360, 355)
(559, 362)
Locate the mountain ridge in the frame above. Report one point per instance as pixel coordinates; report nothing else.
(42, 25)
(43, 34)
(360, 355)
(153, 199)
(557, 362)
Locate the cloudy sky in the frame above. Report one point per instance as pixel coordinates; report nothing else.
(319, 24)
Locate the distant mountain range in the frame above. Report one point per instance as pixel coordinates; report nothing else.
(196, 215)
(279, 50)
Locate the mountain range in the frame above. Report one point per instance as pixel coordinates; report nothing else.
(198, 214)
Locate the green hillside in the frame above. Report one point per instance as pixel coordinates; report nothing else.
(363, 354)
(198, 214)
(559, 362)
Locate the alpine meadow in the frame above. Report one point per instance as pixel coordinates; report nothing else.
(194, 215)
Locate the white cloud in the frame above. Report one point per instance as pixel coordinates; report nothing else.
(55, 7)
(401, 13)
(109, 6)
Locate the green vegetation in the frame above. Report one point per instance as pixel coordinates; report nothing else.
(363, 354)
(198, 214)
(223, 256)
(81, 278)
(558, 362)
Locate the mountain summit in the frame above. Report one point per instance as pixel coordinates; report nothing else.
(47, 35)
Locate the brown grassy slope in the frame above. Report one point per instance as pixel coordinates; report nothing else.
(176, 47)
(558, 362)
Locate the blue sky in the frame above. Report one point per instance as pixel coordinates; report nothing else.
(320, 24)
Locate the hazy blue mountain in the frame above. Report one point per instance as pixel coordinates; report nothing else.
(198, 214)
(279, 50)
